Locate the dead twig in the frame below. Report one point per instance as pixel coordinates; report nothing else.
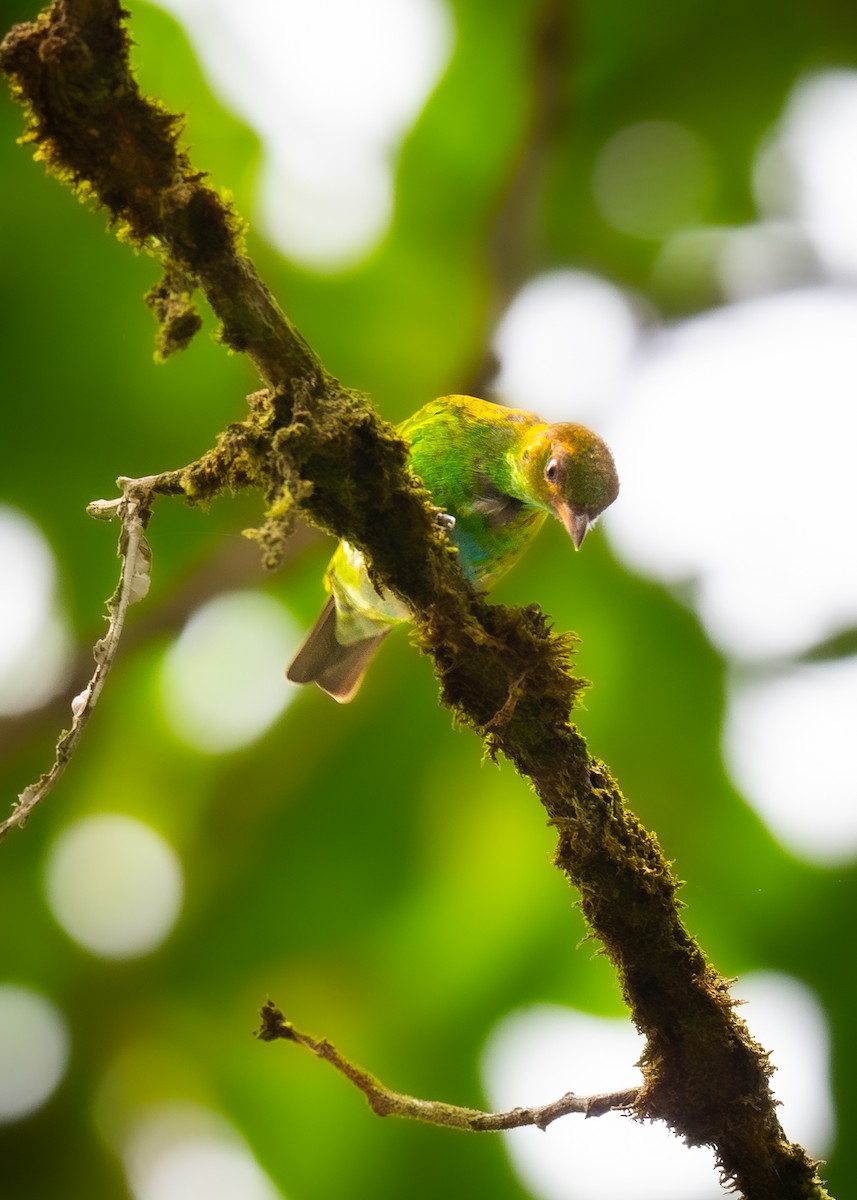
(132, 508)
(387, 1103)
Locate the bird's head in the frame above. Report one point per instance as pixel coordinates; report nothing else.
(570, 471)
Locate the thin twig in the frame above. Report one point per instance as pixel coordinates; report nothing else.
(387, 1103)
(132, 508)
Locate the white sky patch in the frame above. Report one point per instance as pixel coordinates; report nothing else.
(734, 445)
(34, 1049)
(223, 680)
(114, 885)
(807, 168)
(790, 746)
(564, 345)
(178, 1151)
(653, 178)
(35, 645)
(536, 1055)
(331, 88)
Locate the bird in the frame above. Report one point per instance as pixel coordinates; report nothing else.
(494, 473)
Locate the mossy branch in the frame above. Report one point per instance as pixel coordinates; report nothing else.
(312, 446)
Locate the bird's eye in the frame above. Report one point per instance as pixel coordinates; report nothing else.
(552, 471)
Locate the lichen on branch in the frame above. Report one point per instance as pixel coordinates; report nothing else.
(314, 447)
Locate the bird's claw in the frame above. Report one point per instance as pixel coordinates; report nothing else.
(444, 519)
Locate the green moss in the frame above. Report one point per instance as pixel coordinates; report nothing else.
(171, 301)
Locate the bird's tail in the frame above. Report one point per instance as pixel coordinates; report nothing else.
(337, 669)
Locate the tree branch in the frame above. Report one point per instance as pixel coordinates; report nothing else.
(133, 509)
(387, 1103)
(312, 446)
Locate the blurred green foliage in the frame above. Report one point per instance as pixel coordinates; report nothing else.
(360, 865)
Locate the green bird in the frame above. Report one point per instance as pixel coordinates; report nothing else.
(495, 473)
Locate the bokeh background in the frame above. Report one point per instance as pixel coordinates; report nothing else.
(642, 217)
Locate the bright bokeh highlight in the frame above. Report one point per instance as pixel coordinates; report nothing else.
(34, 1049)
(536, 1055)
(564, 345)
(787, 1018)
(790, 746)
(35, 646)
(686, 272)
(807, 169)
(222, 681)
(770, 256)
(734, 445)
(331, 88)
(178, 1151)
(653, 178)
(114, 885)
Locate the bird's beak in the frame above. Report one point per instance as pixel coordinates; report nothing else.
(575, 521)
